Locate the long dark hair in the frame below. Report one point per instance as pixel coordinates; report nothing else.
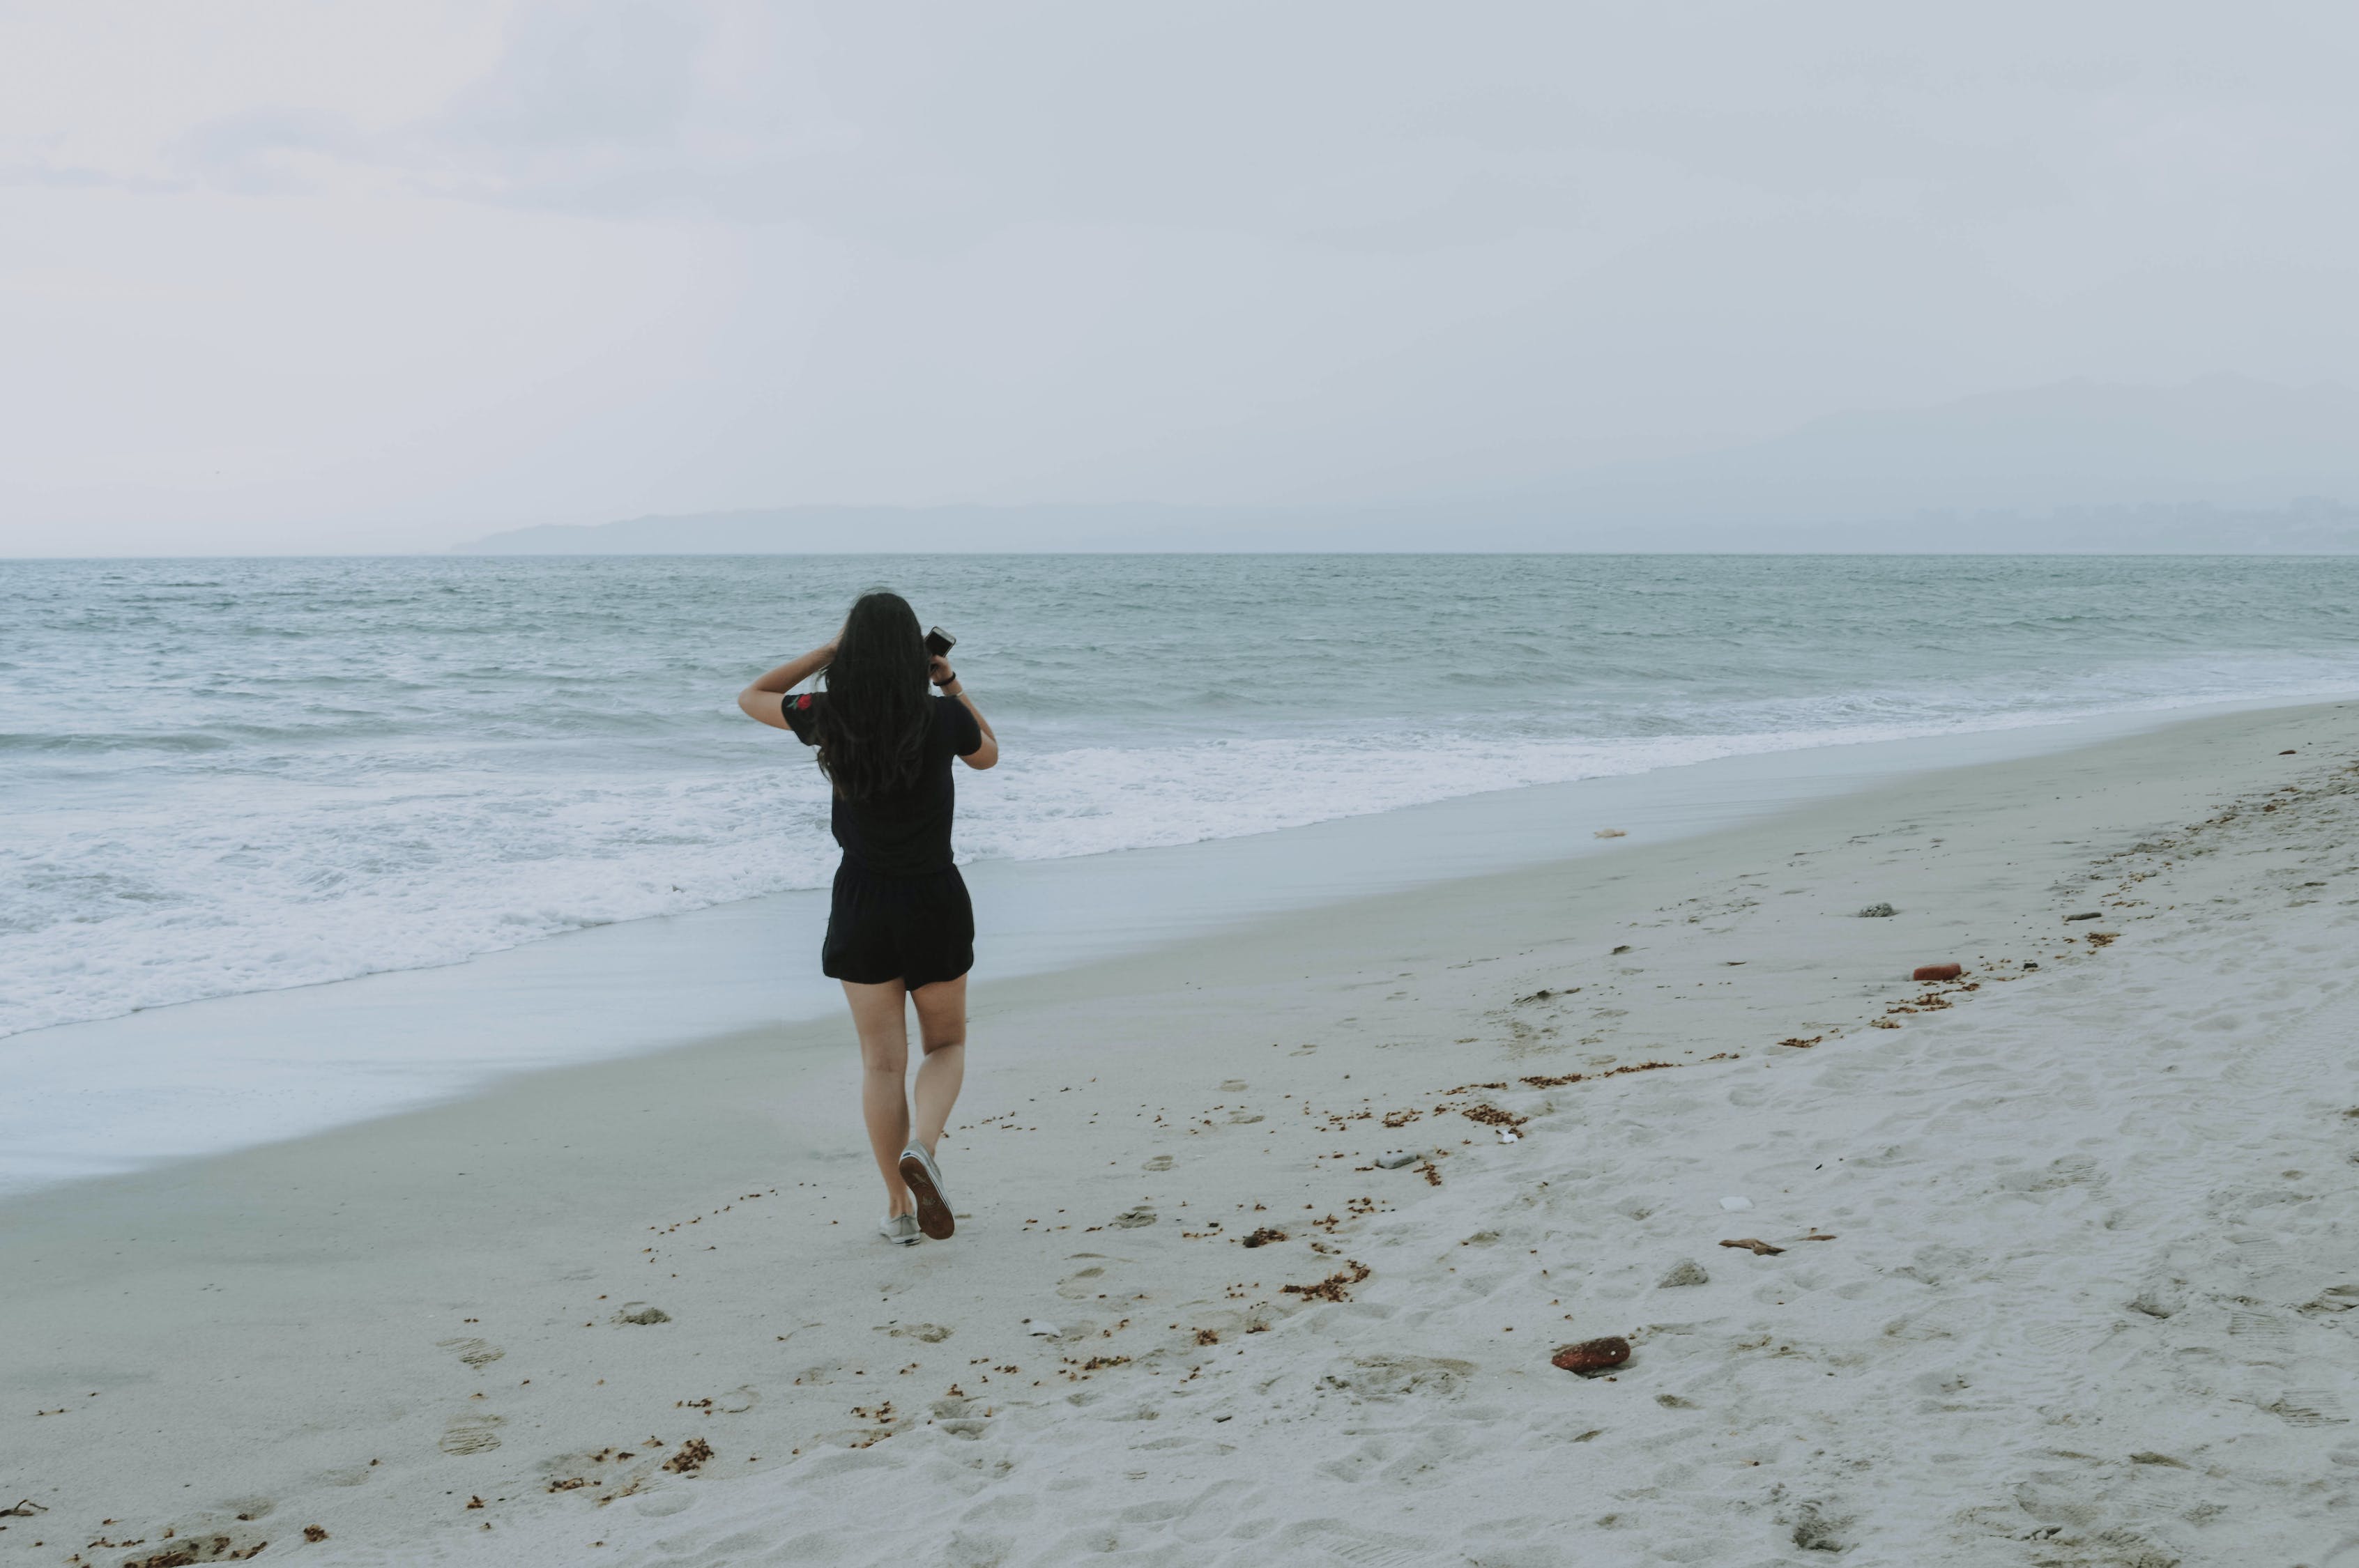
(871, 729)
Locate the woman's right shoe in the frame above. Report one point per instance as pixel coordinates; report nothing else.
(900, 1229)
(924, 1180)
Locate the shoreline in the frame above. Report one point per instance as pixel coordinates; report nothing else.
(198, 1079)
(364, 1329)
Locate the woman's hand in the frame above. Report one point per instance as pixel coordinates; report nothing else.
(763, 700)
(938, 671)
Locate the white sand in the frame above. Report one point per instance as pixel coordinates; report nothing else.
(2084, 1302)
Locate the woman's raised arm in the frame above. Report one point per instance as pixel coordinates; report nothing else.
(762, 700)
(946, 678)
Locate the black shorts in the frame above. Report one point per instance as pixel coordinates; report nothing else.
(916, 930)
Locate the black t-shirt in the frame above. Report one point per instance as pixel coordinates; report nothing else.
(907, 833)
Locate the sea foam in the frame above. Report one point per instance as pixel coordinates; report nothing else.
(235, 777)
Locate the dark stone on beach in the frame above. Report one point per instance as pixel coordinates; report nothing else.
(2029, 965)
(1877, 912)
(1592, 1356)
(2085, 915)
(1938, 972)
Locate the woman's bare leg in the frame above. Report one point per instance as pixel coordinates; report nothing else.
(879, 1014)
(942, 1028)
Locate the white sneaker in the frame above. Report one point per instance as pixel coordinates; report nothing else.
(924, 1180)
(900, 1229)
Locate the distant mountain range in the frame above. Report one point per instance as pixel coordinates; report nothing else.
(2224, 464)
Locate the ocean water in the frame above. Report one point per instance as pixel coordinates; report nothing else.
(222, 776)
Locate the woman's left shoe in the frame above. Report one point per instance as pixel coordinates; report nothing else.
(924, 1179)
(900, 1229)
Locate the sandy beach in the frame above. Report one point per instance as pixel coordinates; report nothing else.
(2045, 1265)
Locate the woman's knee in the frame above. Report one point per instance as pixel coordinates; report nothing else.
(950, 1039)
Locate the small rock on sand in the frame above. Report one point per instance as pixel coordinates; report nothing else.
(1394, 1159)
(1686, 1271)
(1938, 972)
(1591, 1355)
(2085, 915)
(1877, 912)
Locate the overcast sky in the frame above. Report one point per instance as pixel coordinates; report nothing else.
(314, 276)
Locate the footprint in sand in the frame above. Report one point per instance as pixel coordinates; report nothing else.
(1160, 1163)
(2307, 1407)
(473, 1352)
(1080, 1284)
(1397, 1377)
(471, 1434)
(1131, 1219)
(2263, 1333)
(1340, 1544)
(929, 1333)
(1232, 1086)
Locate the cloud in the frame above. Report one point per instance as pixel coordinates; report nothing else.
(452, 264)
(269, 151)
(622, 74)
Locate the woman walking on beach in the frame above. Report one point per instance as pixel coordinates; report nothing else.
(901, 925)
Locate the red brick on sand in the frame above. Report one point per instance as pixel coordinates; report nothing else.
(1593, 1355)
(1938, 972)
